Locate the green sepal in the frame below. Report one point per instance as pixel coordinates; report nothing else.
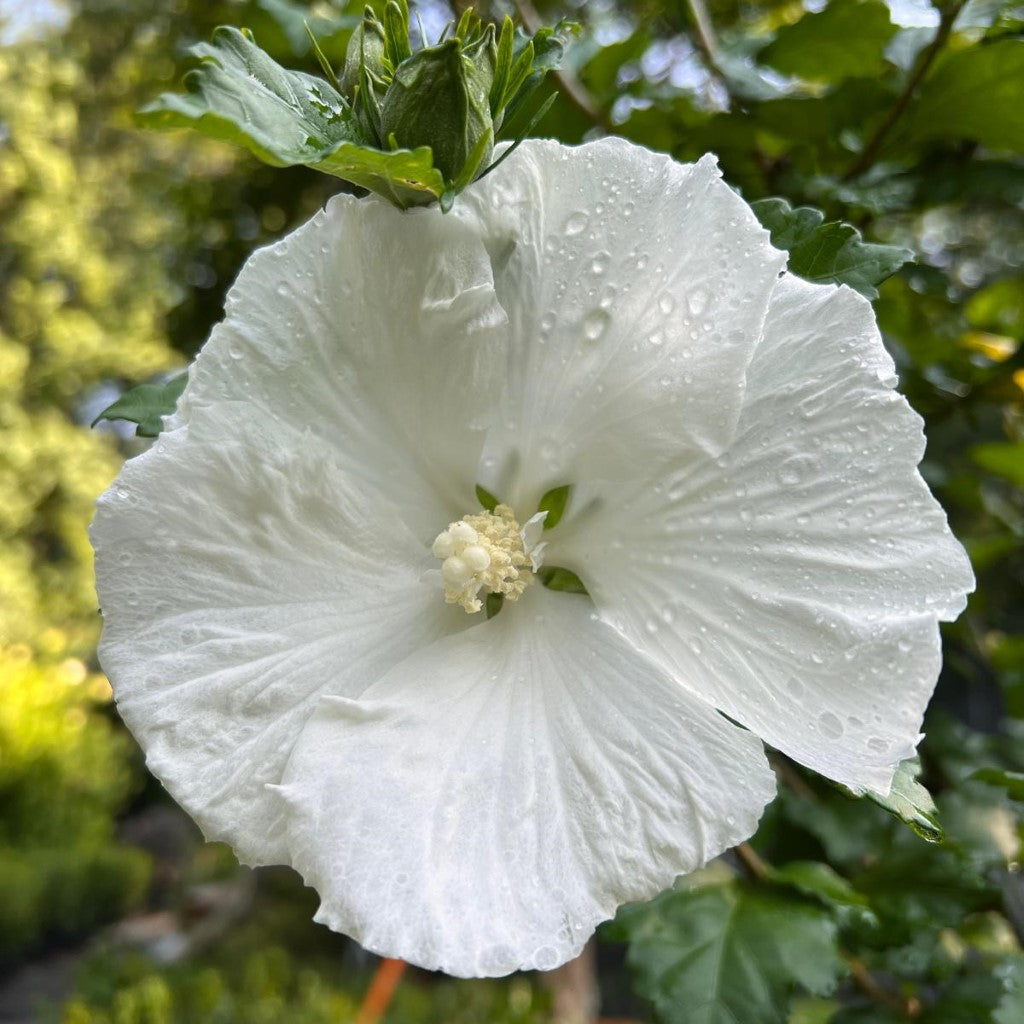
(367, 50)
(554, 577)
(321, 59)
(493, 604)
(909, 801)
(396, 30)
(146, 405)
(555, 503)
(486, 499)
(831, 252)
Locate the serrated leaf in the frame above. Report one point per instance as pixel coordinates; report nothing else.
(146, 405)
(555, 503)
(911, 802)
(730, 953)
(239, 94)
(846, 38)
(830, 252)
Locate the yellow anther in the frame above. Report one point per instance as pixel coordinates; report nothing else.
(486, 552)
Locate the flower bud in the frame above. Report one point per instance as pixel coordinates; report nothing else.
(439, 98)
(366, 49)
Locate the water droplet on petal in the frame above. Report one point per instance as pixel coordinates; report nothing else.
(576, 223)
(595, 324)
(830, 725)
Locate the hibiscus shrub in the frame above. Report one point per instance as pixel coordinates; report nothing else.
(882, 145)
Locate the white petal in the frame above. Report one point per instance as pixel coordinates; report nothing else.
(636, 288)
(377, 330)
(483, 806)
(796, 580)
(242, 574)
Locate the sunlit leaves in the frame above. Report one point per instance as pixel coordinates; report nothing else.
(828, 252)
(1005, 460)
(845, 39)
(974, 94)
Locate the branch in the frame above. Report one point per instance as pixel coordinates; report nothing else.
(870, 152)
(382, 989)
(706, 40)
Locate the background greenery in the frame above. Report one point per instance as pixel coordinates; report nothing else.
(903, 119)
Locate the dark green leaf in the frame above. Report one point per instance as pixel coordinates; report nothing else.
(847, 38)
(146, 405)
(828, 252)
(486, 499)
(974, 93)
(565, 580)
(730, 954)
(1012, 782)
(911, 802)
(241, 95)
(555, 503)
(819, 881)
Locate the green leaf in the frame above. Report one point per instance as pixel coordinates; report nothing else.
(146, 405)
(730, 954)
(819, 881)
(1012, 782)
(486, 499)
(830, 252)
(555, 503)
(974, 94)
(564, 580)
(845, 39)
(909, 801)
(239, 94)
(1003, 459)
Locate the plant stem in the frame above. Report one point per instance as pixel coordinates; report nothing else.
(707, 41)
(873, 147)
(381, 991)
(752, 861)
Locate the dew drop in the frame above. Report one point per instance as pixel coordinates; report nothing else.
(576, 223)
(697, 301)
(666, 303)
(600, 262)
(830, 725)
(595, 324)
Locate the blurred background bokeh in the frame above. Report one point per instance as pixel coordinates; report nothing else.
(116, 247)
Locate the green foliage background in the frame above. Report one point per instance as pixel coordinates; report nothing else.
(116, 248)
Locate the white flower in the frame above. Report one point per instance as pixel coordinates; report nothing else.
(476, 795)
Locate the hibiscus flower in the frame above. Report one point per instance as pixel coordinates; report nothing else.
(295, 577)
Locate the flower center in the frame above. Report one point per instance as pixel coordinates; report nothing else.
(488, 552)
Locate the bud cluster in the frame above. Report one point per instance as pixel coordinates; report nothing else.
(452, 96)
